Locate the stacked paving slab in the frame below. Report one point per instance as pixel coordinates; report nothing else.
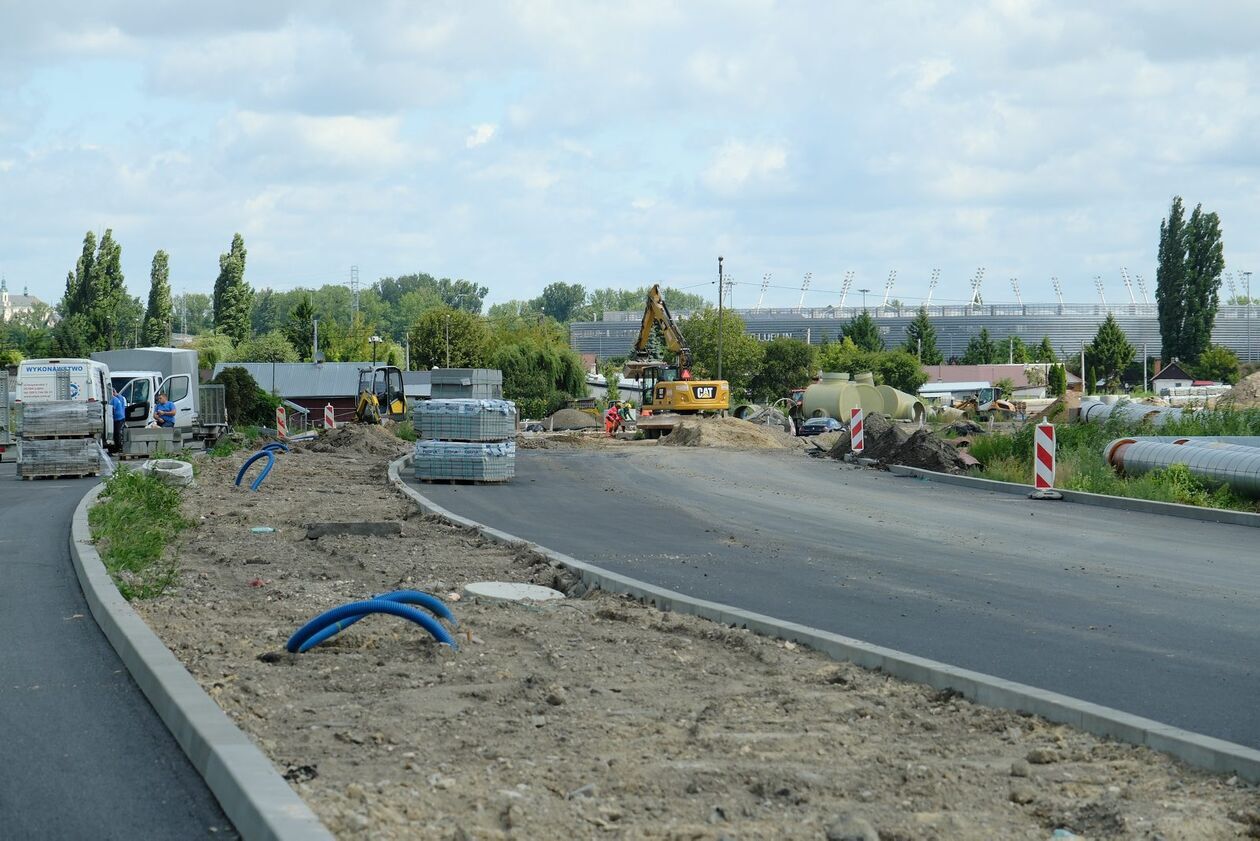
(467, 431)
(58, 438)
(6, 420)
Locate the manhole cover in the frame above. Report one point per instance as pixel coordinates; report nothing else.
(506, 591)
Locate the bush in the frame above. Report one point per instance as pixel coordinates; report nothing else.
(246, 402)
(136, 519)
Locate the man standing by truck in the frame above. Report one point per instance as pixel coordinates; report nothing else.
(119, 407)
(164, 411)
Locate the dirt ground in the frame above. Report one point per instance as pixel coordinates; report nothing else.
(599, 717)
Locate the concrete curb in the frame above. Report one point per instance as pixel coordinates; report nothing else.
(1200, 751)
(1120, 503)
(257, 800)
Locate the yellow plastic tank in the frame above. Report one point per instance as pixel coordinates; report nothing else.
(899, 405)
(832, 397)
(866, 377)
(868, 397)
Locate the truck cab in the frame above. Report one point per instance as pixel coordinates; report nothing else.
(141, 388)
(87, 380)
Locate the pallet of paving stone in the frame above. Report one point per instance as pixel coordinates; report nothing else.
(58, 457)
(464, 461)
(60, 419)
(465, 420)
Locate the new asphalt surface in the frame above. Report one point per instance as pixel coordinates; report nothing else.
(84, 755)
(1156, 616)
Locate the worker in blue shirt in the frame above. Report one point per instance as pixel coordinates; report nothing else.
(119, 407)
(164, 411)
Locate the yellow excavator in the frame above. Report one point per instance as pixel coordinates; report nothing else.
(381, 394)
(669, 392)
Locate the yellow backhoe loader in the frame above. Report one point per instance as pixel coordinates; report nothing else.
(381, 394)
(669, 392)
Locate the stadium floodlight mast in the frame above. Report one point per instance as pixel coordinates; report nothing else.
(976, 282)
(1128, 284)
(1233, 290)
(936, 278)
(804, 288)
(1098, 284)
(1015, 288)
(844, 287)
(888, 285)
(1141, 282)
(1058, 289)
(765, 284)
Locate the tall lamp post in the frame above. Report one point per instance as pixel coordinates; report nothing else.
(1247, 285)
(375, 340)
(721, 289)
(864, 291)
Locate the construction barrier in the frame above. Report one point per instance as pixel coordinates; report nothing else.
(857, 432)
(330, 419)
(1043, 457)
(282, 426)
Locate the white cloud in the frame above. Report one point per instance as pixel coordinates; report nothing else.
(481, 135)
(738, 164)
(343, 142)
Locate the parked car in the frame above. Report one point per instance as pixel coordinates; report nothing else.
(817, 426)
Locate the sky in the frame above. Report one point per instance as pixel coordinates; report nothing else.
(517, 144)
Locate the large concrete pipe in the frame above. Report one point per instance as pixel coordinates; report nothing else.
(1101, 412)
(1235, 468)
(1201, 440)
(899, 405)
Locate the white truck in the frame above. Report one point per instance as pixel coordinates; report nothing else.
(41, 380)
(141, 374)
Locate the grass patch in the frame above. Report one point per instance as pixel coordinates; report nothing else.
(1080, 465)
(134, 522)
(405, 429)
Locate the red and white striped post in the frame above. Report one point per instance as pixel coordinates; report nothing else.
(282, 427)
(857, 431)
(1043, 457)
(330, 419)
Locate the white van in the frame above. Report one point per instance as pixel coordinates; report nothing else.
(89, 381)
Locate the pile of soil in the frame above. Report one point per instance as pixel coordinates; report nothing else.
(567, 419)
(1245, 395)
(599, 716)
(727, 432)
(962, 428)
(359, 439)
(544, 441)
(888, 443)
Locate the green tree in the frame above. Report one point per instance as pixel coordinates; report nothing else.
(97, 313)
(299, 328)
(786, 363)
(980, 350)
(1014, 350)
(741, 353)
(266, 311)
(845, 357)
(193, 312)
(633, 300)
(212, 348)
(463, 332)
(562, 301)
(1005, 388)
(1057, 380)
(269, 347)
(1219, 364)
(157, 318)
(864, 332)
(1110, 352)
(247, 404)
(921, 339)
(233, 297)
(1091, 382)
(455, 294)
(899, 370)
(612, 380)
(1187, 280)
(1045, 351)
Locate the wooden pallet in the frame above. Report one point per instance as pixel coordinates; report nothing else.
(464, 481)
(63, 476)
(79, 437)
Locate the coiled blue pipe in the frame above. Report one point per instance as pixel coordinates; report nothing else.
(432, 603)
(276, 445)
(360, 609)
(271, 460)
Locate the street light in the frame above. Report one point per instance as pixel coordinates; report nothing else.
(1247, 286)
(864, 291)
(375, 340)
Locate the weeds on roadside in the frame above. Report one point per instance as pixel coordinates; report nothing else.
(1080, 465)
(132, 525)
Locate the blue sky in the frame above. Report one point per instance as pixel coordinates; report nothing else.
(611, 144)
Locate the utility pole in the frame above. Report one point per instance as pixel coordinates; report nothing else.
(448, 340)
(354, 291)
(1247, 286)
(864, 291)
(407, 352)
(1144, 357)
(315, 339)
(721, 281)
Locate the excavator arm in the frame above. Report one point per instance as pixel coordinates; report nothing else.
(657, 312)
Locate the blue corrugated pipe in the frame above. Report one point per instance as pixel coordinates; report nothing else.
(357, 610)
(432, 603)
(270, 455)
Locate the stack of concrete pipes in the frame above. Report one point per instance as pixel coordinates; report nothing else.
(1233, 461)
(836, 395)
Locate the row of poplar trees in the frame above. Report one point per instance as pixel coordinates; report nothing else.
(96, 313)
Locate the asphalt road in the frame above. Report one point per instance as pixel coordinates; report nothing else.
(84, 755)
(1153, 615)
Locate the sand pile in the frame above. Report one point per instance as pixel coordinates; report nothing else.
(1245, 395)
(566, 419)
(888, 443)
(726, 432)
